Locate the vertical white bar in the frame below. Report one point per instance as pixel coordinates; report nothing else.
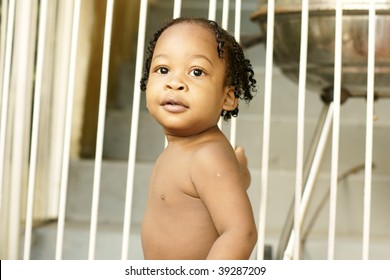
(316, 164)
(369, 130)
(176, 14)
(5, 90)
(225, 25)
(237, 21)
(35, 127)
(134, 128)
(336, 129)
(313, 174)
(3, 32)
(266, 127)
(68, 127)
(300, 125)
(3, 70)
(225, 14)
(100, 128)
(18, 106)
(177, 9)
(212, 9)
(237, 35)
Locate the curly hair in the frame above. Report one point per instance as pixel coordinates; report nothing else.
(239, 71)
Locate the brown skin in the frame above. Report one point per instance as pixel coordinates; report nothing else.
(197, 206)
(243, 162)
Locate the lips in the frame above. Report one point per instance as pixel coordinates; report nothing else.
(173, 105)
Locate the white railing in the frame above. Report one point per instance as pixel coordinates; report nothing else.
(16, 139)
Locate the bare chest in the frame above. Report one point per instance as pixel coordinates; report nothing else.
(171, 179)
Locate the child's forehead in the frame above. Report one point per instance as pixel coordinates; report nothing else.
(190, 38)
(186, 30)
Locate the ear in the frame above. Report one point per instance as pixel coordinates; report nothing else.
(231, 101)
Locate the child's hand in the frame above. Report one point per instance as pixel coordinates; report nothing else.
(243, 161)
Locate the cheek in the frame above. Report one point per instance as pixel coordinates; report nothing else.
(148, 98)
(152, 99)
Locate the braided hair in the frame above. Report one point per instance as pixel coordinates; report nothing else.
(239, 72)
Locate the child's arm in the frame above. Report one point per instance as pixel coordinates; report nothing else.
(216, 175)
(243, 162)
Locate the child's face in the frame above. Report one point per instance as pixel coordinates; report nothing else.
(185, 90)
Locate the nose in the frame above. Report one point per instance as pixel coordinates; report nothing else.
(175, 84)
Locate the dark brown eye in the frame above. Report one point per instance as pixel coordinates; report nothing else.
(162, 70)
(197, 72)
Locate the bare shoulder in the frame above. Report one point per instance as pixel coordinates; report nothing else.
(215, 153)
(214, 165)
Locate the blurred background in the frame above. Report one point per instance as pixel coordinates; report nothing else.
(52, 157)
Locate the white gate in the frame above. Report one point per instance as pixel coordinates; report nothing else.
(41, 75)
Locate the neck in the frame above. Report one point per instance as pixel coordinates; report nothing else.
(177, 137)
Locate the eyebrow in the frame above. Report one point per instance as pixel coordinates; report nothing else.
(195, 56)
(201, 56)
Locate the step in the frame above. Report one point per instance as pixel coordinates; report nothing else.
(112, 191)
(76, 242)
